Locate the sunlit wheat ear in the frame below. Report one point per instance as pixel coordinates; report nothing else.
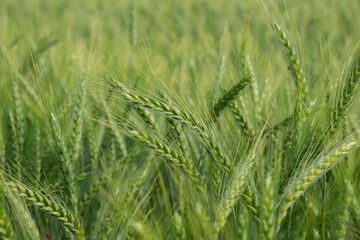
(298, 187)
(347, 96)
(176, 114)
(255, 89)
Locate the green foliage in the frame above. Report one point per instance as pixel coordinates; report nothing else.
(179, 119)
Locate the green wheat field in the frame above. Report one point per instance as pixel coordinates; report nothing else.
(192, 119)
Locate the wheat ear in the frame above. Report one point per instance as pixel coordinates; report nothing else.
(347, 96)
(312, 174)
(66, 165)
(173, 157)
(233, 192)
(300, 82)
(77, 126)
(176, 114)
(89, 194)
(228, 96)
(64, 216)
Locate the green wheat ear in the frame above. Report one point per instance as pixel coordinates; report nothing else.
(77, 125)
(347, 96)
(66, 165)
(177, 114)
(235, 189)
(172, 156)
(300, 81)
(229, 95)
(49, 206)
(312, 174)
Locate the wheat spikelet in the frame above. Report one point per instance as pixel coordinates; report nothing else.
(147, 117)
